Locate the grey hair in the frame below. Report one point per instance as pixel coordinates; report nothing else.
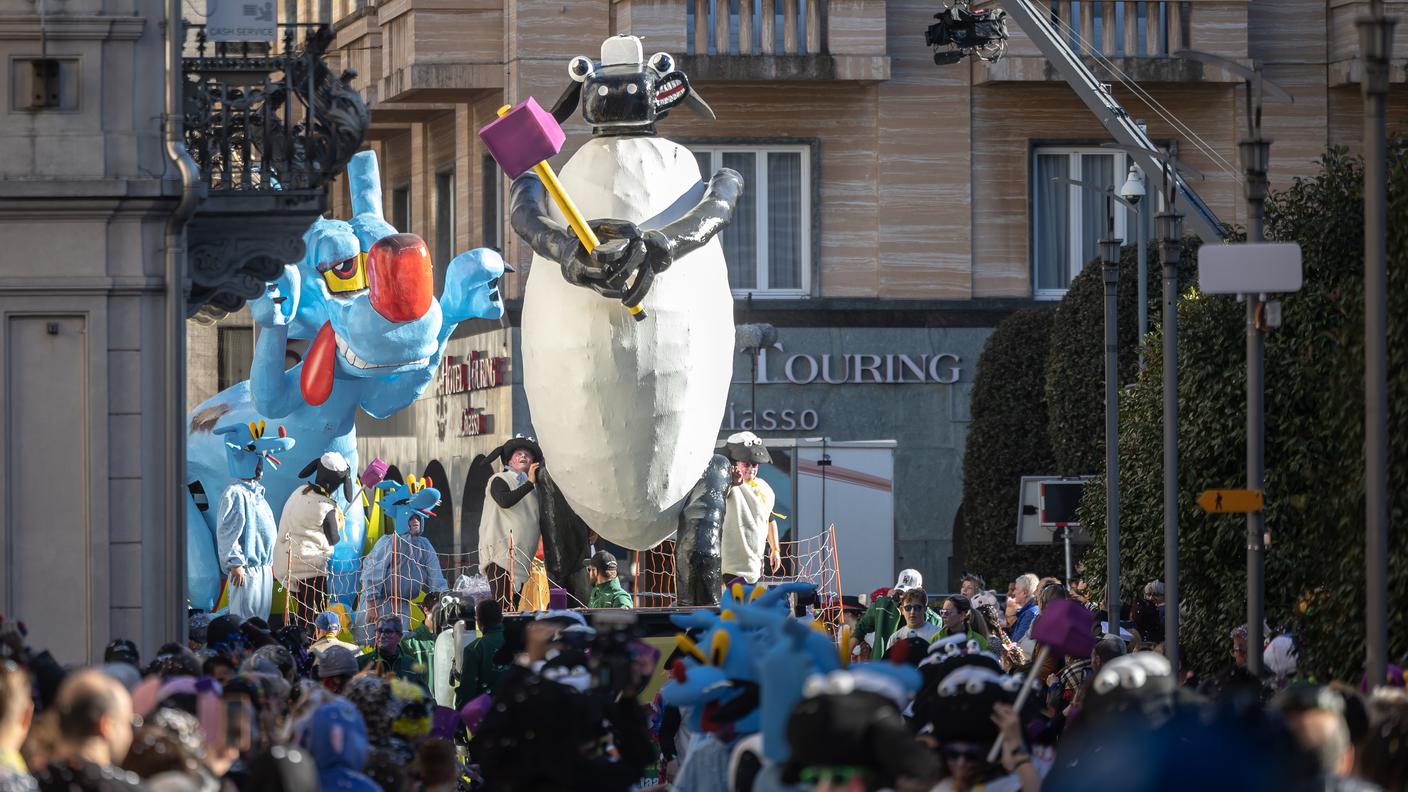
(1029, 582)
(1154, 588)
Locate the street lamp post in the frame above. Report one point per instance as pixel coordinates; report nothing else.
(1133, 191)
(1170, 252)
(1110, 264)
(1375, 44)
(1110, 267)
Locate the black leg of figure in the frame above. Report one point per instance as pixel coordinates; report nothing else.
(697, 544)
(564, 540)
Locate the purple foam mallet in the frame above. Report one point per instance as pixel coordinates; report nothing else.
(1065, 627)
(375, 472)
(522, 137)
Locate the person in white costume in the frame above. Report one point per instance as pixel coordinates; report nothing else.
(750, 532)
(509, 528)
(311, 523)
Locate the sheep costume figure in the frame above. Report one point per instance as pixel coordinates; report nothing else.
(627, 411)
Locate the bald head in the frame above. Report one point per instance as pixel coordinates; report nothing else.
(95, 713)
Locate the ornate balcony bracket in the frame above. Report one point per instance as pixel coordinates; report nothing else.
(268, 131)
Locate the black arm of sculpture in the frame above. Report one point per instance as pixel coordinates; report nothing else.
(625, 247)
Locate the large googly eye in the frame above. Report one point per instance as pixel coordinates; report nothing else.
(662, 63)
(580, 68)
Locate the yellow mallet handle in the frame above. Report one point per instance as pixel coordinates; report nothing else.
(564, 203)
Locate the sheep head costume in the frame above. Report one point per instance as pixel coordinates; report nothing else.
(633, 453)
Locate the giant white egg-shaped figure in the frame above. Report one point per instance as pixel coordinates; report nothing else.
(627, 412)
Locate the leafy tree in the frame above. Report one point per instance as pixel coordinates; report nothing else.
(1075, 369)
(1314, 442)
(1007, 440)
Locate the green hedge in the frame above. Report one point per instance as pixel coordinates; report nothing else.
(1006, 441)
(1075, 371)
(1314, 443)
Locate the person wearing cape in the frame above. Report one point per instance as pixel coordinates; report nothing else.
(402, 565)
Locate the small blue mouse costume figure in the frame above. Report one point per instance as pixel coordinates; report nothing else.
(245, 529)
(403, 564)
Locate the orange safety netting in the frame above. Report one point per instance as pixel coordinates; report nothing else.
(400, 581)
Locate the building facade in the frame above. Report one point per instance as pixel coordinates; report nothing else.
(89, 349)
(895, 210)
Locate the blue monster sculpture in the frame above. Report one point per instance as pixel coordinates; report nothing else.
(721, 679)
(403, 564)
(363, 294)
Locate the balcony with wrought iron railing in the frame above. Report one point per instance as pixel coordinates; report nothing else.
(268, 125)
(1139, 38)
(741, 40)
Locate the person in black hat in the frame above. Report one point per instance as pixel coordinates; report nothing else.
(748, 530)
(853, 741)
(606, 587)
(509, 530)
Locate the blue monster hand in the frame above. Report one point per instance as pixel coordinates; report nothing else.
(279, 303)
(471, 287)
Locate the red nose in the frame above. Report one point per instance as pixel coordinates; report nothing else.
(401, 278)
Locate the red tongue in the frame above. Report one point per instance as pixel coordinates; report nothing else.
(318, 366)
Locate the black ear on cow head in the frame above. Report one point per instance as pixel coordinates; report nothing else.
(566, 105)
(696, 103)
(308, 469)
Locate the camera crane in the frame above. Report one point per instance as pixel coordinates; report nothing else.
(960, 31)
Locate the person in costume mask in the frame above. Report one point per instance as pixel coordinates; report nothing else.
(310, 525)
(509, 530)
(245, 530)
(749, 532)
(402, 565)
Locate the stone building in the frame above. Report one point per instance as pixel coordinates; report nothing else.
(895, 209)
(90, 352)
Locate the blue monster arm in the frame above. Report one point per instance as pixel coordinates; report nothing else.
(398, 392)
(274, 391)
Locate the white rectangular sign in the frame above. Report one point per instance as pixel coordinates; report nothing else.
(1250, 268)
(240, 20)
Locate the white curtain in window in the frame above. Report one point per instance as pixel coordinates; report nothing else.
(740, 237)
(1051, 232)
(784, 220)
(1094, 169)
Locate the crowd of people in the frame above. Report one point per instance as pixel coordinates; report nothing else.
(965, 691)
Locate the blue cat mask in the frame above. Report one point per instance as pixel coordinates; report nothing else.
(401, 502)
(246, 448)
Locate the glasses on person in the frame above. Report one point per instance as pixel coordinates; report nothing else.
(946, 612)
(913, 608)
(840, 774)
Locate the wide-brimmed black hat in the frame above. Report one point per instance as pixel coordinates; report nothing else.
(856, 729)
(746, 447)
(527, 443)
